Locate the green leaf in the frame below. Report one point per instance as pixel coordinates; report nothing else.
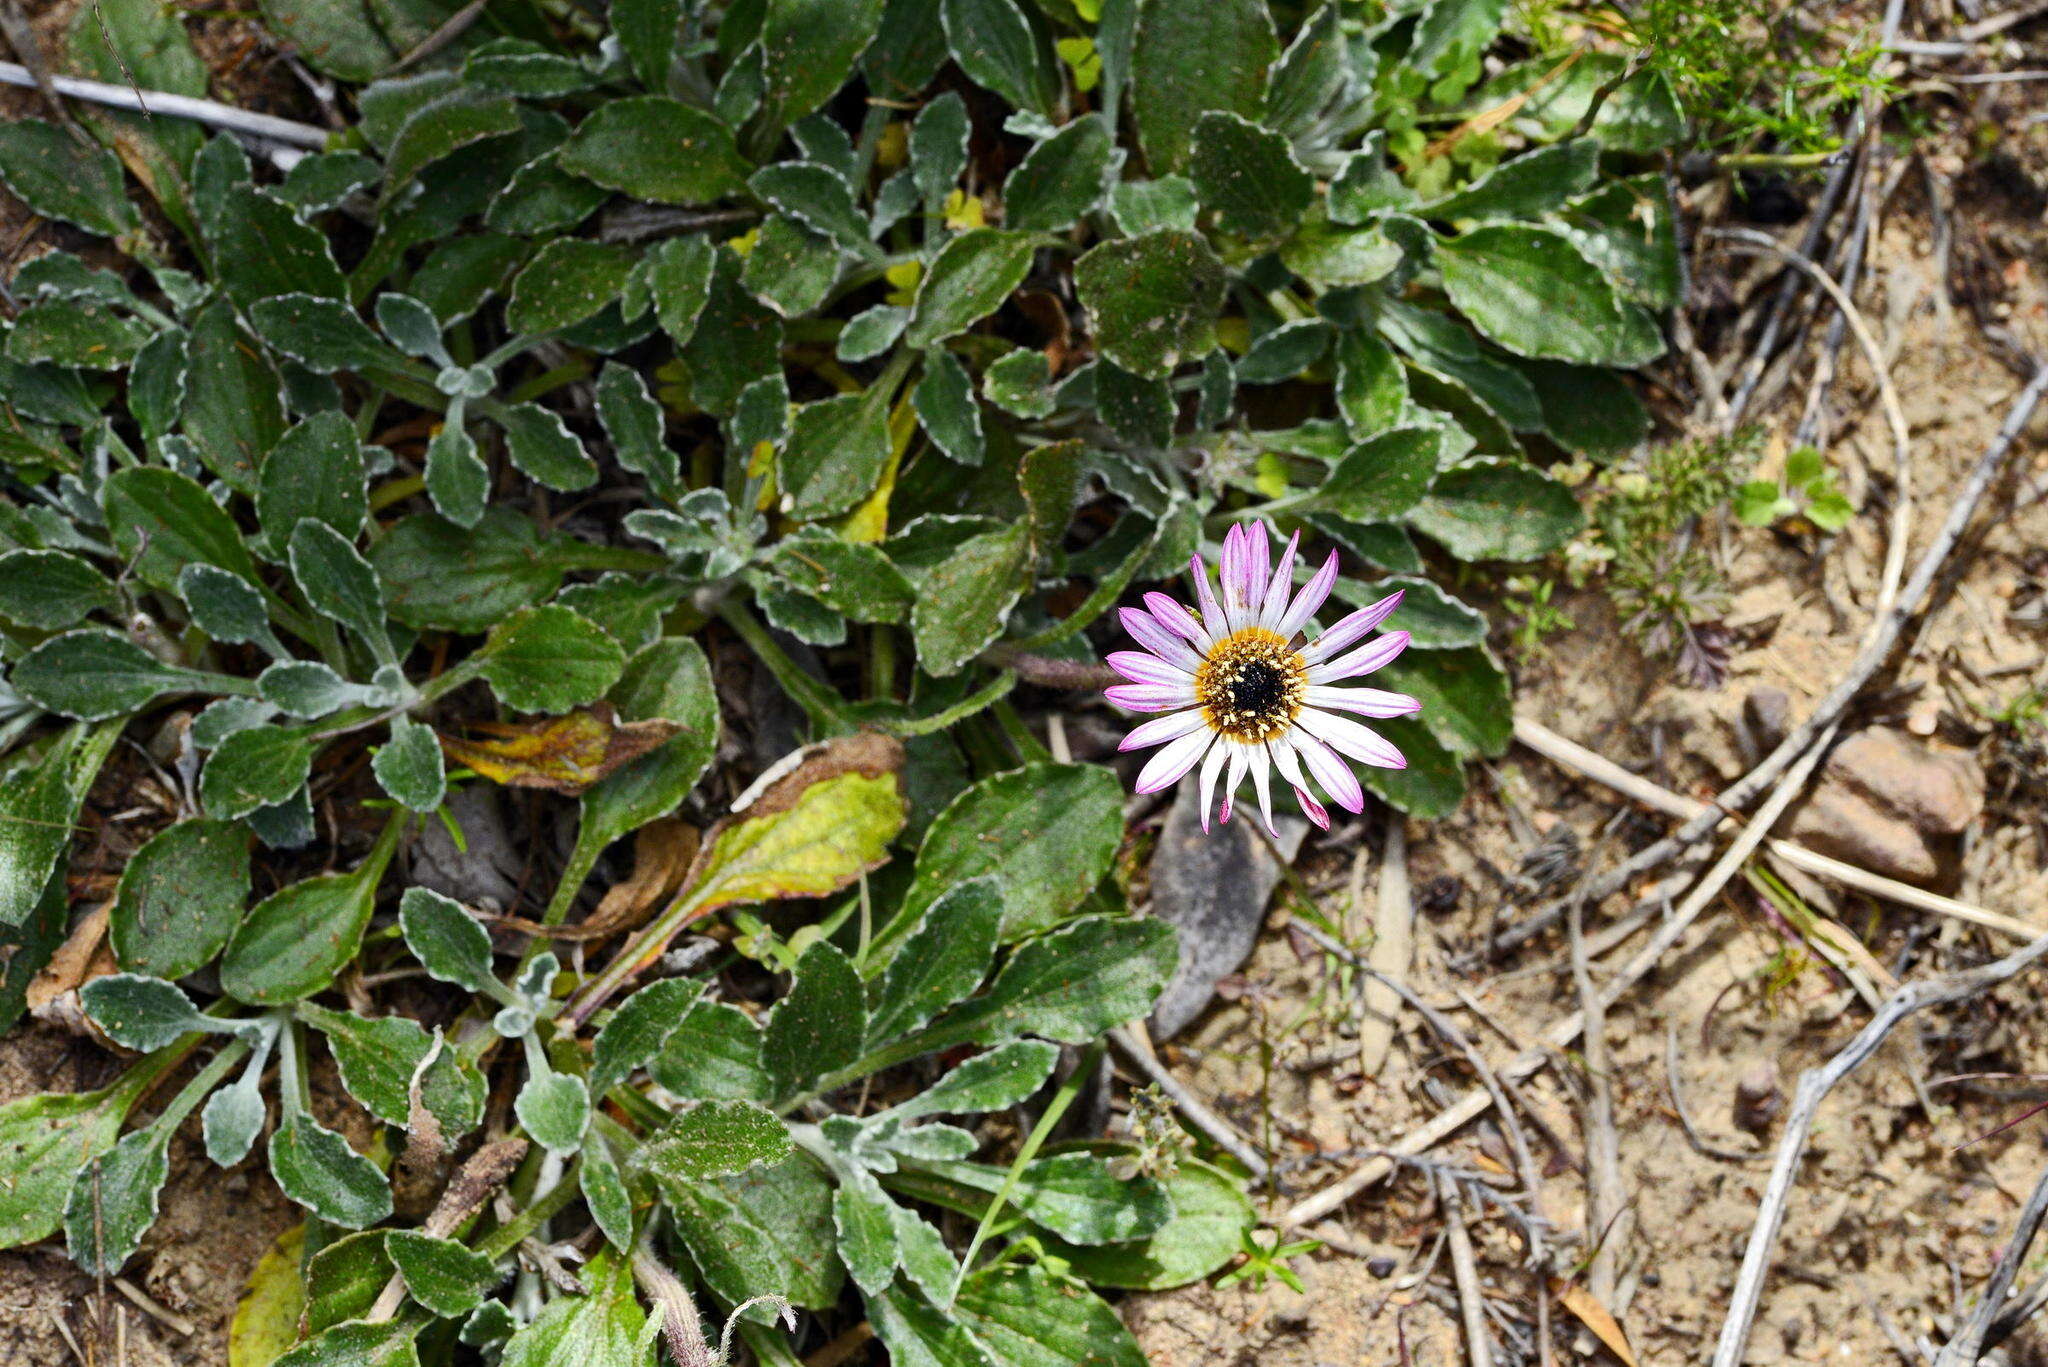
(1381, 477)
(1247, 176)
(377, 1058)
(315, 472)
(1210, 1217)
(443, 128)
(1003, 51)
(917, 1335)
(442, 1275)
(1498, 511)
(1143, 206)
(1284, 352)
(1046, 833)
(93, 675)
(1019, 383)
(550, 659)
(1530, 290)
(259, 766)
(864, 1218)
(445, 938)
(819, 1025)
(1189, 59)
(853, 579)
(652, 147)
(765, 1231)
(1061, 179)
(1071, 985)
(1026, 1317)
(1431, 786)
(180, 897)
(316, 1168)
(714, 1051)
(964, 602)
(233, 1118)
(39, 805)
(1152, 300)
(339, 583)
(342, 1280)
(601, 1329)
(1001, 1078)
(818, 197)
(112, 1203)
(49, 171)
(737, 341)
(633, 421)
(1076, 1196)
(541, 444)
(306, 689)
(357, 1343)
(714, 1138)
(444, 577)
(639, 1028)
(85, 333)
(294, 941)
(669, 680)
(834, 831)
(1333, 258)
(567, 281)
(676, 278)
(140, 1013)
(871, 332)
(262, 248)
(1525, 186)
(1139, 411)
(646, 31)
(792, 267)
(942, 960)
(409, 766)
(1628, 228)
(808, 48)
(162, 521)
(1464, 694)
(967, 281)
(1589, 412)
(1433, 619)
(52, 590)
(606, 1193)
(938, 148)
(45, 1138)
(322, 334)
(944, 401)
(1310, 74)
(835, 455)
(233, 409)
(555, 1109)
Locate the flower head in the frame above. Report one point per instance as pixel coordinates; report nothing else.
(1243, 693)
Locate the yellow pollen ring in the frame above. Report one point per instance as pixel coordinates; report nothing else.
(1251, 686)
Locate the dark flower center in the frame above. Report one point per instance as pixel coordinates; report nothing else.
(1251, 686)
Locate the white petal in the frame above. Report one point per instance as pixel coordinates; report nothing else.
(1363, 660)
(1262, 782)
(1336, 777)
(1164, 769)
(1157, 639)
(1210, 768)
(1232, 780)
(1349, 738)
(1366, 702)
(1151, 697)
(1352, 627)
(1273, 605)
(1141, 668)
(1175, 617)
(1289, 764)
(1312, 596)
(1214, 618)
(1160, 730)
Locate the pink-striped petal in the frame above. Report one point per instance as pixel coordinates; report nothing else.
(1273, 604)
(1336, 777)
(1262, 783)
(1363, 660)
(1347, 737)
(1289, 764)
(1366, 702)
(1139, 667)
(1214, 618)
(1352, 628)
(1211, 766)
(1255, 565)
(1231, 782)
(1175, 617)
(1312, 596)
(1157, 639)
(1165, 769)
(1150, 697)
(1160, 730)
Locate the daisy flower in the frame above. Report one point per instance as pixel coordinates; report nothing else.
(1242, 693)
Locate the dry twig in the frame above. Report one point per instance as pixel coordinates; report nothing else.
(1391, 952)
(1966, 1347)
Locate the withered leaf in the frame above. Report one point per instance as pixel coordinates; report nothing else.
(561, 754)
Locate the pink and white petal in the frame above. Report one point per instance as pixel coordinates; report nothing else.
(1167, 767)
(1175, 617)
(1289, 765)
(1231, 782)
(1366, 702)
(1262, 783)
(1256, 567)
(1150, 697)
(1141, 667)
(1160, 730)
(1333, 773)
(1347, 737)
(1274, 602)
(1157, 639)
(1363, 660)
(1312, 596)
(1211, 766)
(1214, 619)
(1352, 627)
(1230, 578)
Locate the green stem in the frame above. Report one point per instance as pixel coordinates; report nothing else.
(996, 690)
(881, 661)
(638, 953)
(202, 1082)
(1083, 1074)
(1028, 748)
(506, 1237)
(813, 697)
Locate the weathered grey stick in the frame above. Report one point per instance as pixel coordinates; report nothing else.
(1965, 1348)
(209, 112)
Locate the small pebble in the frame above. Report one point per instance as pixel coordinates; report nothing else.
(1758, 1098)
(1381, 1267)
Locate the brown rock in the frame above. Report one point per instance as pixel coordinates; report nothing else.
(1894, 805)
(1758, 1098)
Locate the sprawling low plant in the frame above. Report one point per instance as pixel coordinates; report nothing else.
(897, 340)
